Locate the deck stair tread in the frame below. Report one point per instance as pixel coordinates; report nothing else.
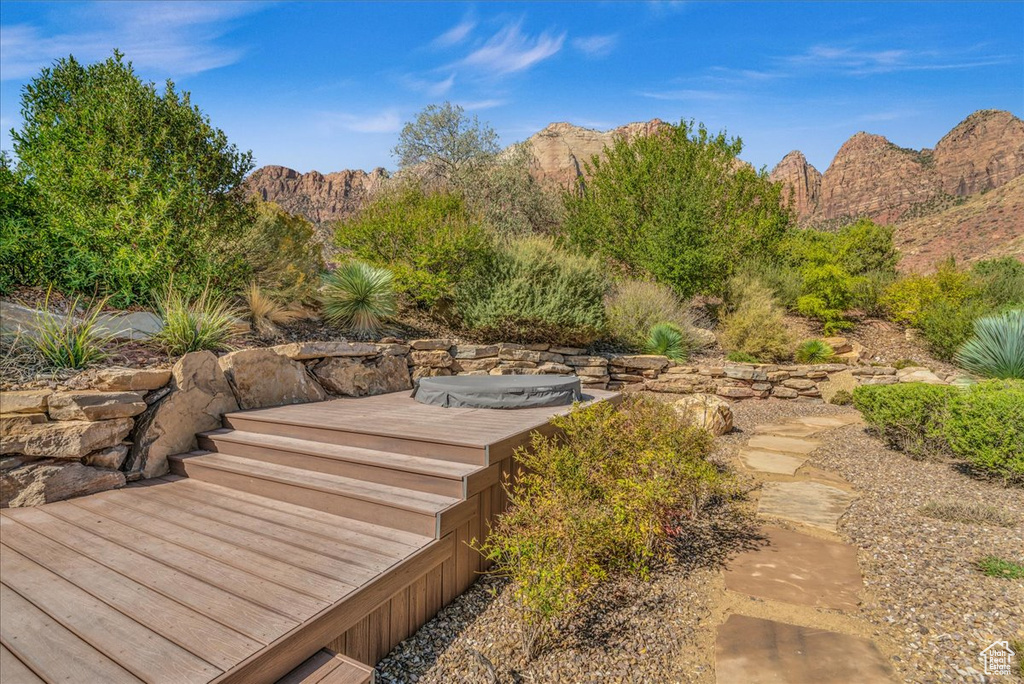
(383, 459)
(327, 667)
(396, 497)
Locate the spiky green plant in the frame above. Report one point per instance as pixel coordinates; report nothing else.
(359, 297)
(814, 351)
(997, 348)
(668, 340)
(67, 341)
(206, 322)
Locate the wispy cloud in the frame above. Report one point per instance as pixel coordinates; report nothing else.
(176, 38)
(595, 46)
(478, 105)
(861, 62)
(385, 121)
(430, 87)
(509, 51)
(455, 35)
(685, 94)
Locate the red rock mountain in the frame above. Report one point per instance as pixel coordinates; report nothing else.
(318, 197)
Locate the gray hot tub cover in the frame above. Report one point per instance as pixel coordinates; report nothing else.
(499, 391)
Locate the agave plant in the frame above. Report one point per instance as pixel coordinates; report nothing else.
(997, 348)
(668, 340)
(814, 351)
(359, 297)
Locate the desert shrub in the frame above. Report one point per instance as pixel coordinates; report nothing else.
(755, 323)
(668, 340)
(430, 242)
(784, 279)
(132, 185)
(675, 205)
(598, 501)
(507, 197)
(908, 299)
(841, 398)
(984, 425)
(68, 340)
(967, 512)
(868, 290)
(740, 357)
(634, 306)
(1000, 281)
(266, 312)
(280, 253)
(997, 348)
(203, 322)
(537, 292)
(994, 566)
(910, 417)
(946, 325)
(359, 297)
(813, 351)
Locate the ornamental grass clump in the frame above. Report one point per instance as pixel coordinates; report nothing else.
(598, 501)
(997, 348)
(206, 322)
(66, 340)
(634, 306)
(814, 351)
(666, 339)
(359, 297)
(266, 313)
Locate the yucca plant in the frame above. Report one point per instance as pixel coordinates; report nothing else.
(813, 351)
(359, 297)
(997, 348)
(66, 340)
(266, 313)
(206, 322)
(668, 340)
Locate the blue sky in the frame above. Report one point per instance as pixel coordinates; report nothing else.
(327, 86)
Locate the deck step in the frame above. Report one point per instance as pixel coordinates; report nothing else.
(399, 470)
(328, 667)
(367, 435)
(379, 504)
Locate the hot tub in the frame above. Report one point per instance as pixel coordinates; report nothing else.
(499, 391)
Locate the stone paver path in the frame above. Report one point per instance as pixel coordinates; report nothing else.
(797, 575)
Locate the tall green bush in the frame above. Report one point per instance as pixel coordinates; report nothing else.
(678, 206)
(534, 292)
(911, 416)
(985, 426)
(132, 185)
(431, 242)
(754, 325)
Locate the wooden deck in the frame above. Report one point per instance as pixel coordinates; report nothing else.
(341, 525)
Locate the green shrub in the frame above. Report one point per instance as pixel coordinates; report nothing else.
(598, 501)
(67, 340)
(537, 292)
(429, 241)
(205, 322)
(1001, 282)
(740, 357)
(828, 293)
(994, 566)
(755, 324)
(813, 351)
(911, 417)
(668, 340)
(997, 348)
(634, 306)
(985, 427)
(868, 291)
(280, 252)
(359, 297)
(908, 299)
(841, 398)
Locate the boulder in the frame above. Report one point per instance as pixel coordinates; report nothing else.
(845, 381)
(95, 405)
(745, 373)
(706, 411)
(354, 378)
(704, 337)
(513, 354)
(200, 395)
(566, 351)
(679, 384)
(431, 345)
(436, 358)
(130, 379)
(300, 351)
(262, 377)
(24, 401)
(784, 393)
(49, 481)
(591, 371)
(915, 374)
(111, 458)
(799, 383)
(393, 348)
(66, 439)
(736, 392)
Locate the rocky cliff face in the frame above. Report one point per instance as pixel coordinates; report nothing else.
(872, 177)
(318, 197)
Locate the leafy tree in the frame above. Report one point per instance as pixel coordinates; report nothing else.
(446, 142)
(507, 197)
(677, 205)
(20, 238)
(133, 185)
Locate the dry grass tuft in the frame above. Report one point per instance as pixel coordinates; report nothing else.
(266, 313)
(967, 513)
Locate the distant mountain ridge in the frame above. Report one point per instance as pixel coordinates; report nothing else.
(937, 197)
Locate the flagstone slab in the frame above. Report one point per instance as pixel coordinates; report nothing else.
(787, 445)
(800, 569)
(809, 503)
(771, 461)
(789, 429)
(829, 421)
(755, 651)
